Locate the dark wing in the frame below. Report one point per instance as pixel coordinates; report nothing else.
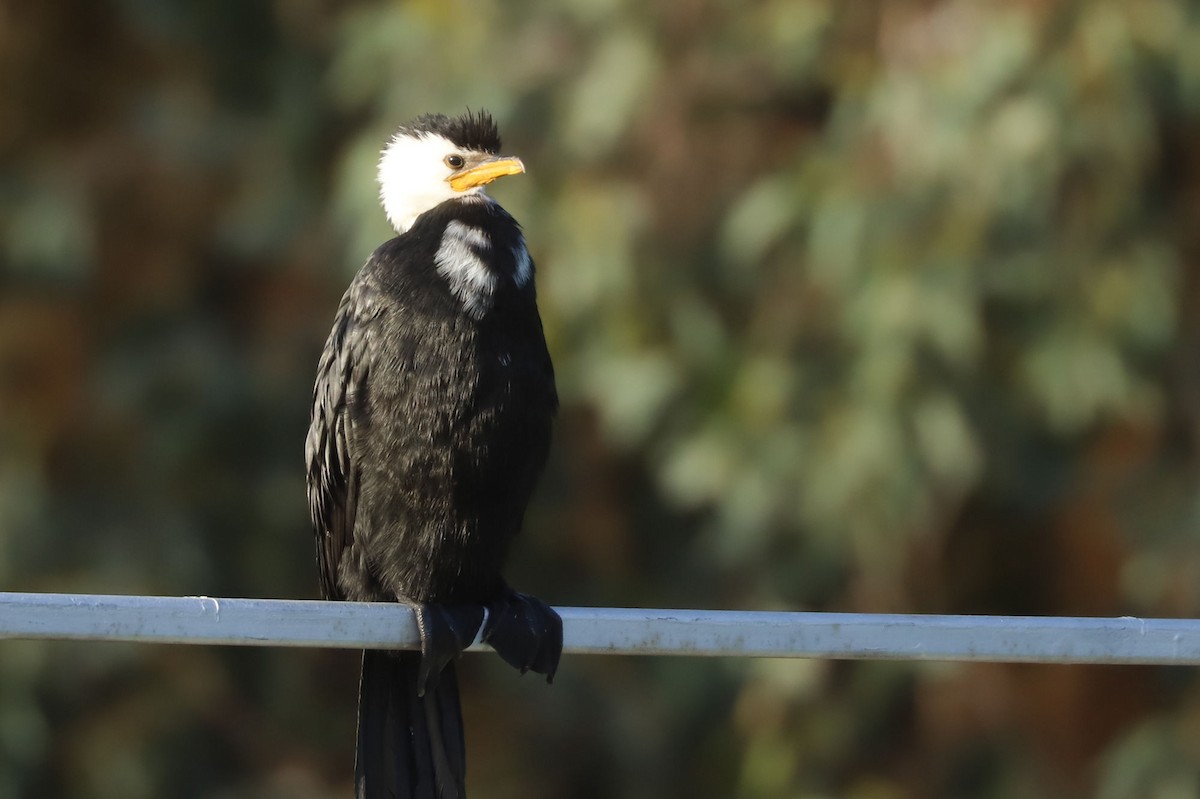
(331, 468)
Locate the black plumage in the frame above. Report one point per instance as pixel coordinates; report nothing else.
(431, 422)
(476, 132)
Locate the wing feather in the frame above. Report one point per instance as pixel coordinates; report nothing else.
(331, 470)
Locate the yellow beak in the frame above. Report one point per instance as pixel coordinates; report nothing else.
(484, 173)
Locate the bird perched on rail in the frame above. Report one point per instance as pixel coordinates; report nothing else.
(430, 425)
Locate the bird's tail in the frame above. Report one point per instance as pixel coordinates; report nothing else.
(409, 746)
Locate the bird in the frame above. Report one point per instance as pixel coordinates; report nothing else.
(431, 423)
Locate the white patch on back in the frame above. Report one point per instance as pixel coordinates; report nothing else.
(458, 261)
(523, 270)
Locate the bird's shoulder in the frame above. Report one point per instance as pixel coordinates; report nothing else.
(460, 255)
(363, 304)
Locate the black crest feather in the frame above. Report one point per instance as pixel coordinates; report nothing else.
(471, 131)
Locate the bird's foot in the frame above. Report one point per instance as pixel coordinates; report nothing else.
(446, 630)
(525, 632)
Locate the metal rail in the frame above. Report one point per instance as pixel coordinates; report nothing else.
(617, 631)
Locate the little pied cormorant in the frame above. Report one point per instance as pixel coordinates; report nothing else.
(430, 425)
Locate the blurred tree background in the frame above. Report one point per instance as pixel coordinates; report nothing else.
(870, 306)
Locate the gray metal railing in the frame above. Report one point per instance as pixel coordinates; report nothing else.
(618, 631)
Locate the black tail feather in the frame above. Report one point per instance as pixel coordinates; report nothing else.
(409, 746)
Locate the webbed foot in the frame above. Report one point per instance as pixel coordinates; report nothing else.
(446, 630)
(525, 632)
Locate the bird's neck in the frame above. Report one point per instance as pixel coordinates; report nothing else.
(403, 221)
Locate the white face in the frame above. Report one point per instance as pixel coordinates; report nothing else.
(414, 176)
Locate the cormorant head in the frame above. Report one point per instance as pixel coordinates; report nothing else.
(436, 158)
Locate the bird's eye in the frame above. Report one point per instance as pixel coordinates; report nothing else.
(455, 161)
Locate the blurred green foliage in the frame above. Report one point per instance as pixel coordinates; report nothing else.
(871, 306)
